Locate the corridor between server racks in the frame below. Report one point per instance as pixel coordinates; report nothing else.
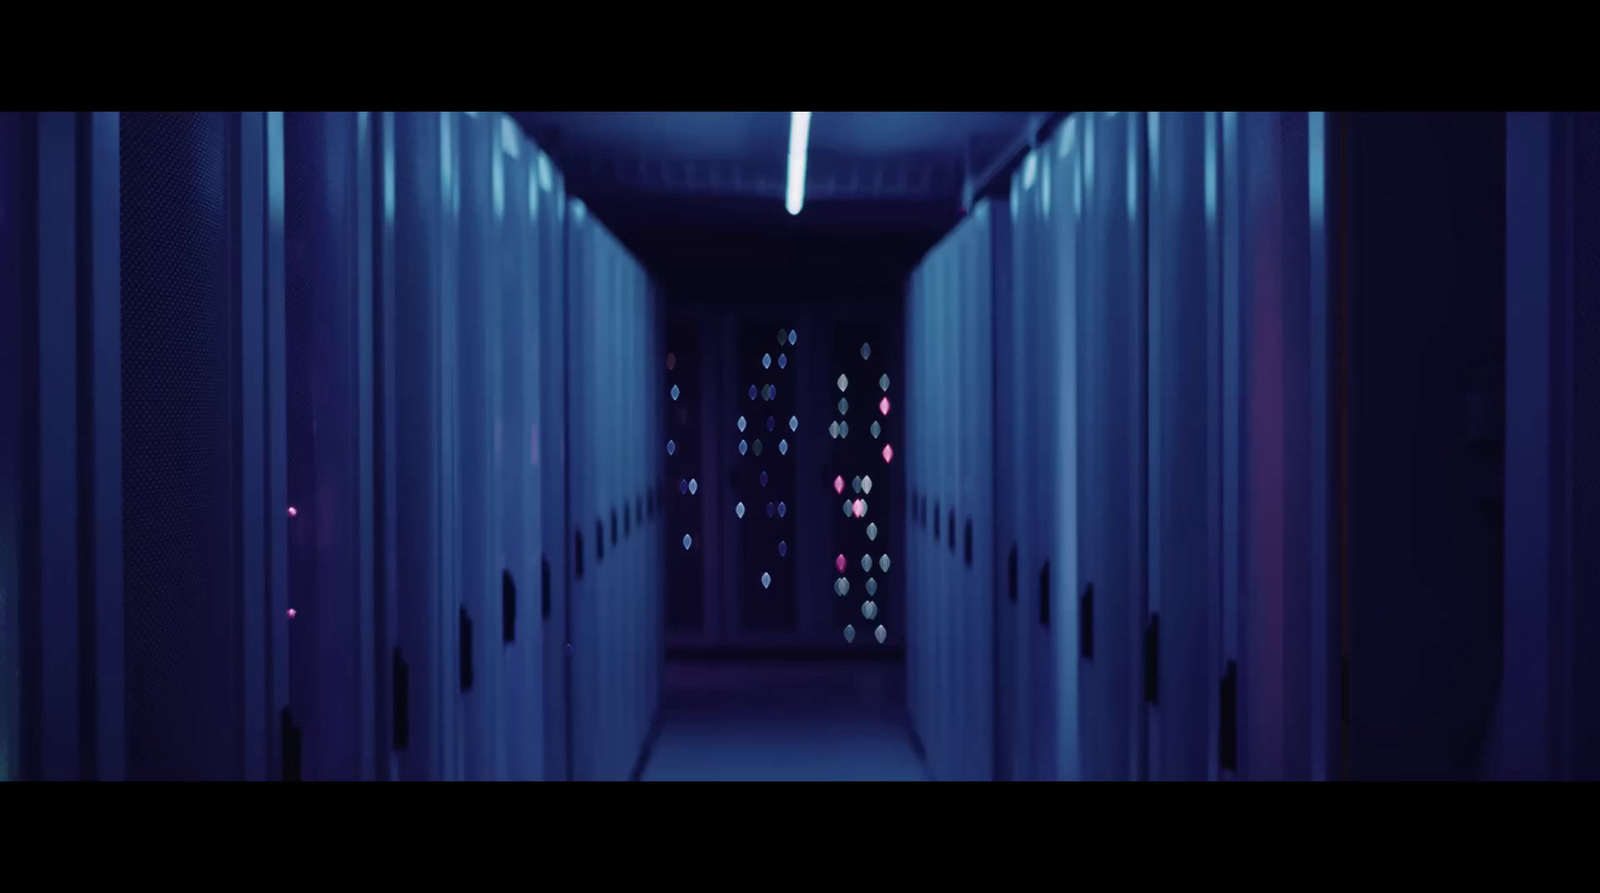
(790, 446)
(783, 721)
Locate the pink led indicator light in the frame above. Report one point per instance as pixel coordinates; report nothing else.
(838, 485)
(292, 512)
(883, 406)
(859, 507)
(839, 563)
(888, 452)
(291, 613)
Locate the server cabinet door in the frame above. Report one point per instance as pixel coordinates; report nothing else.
(327, 334)
(952, 687)
(1063, 248)
(425, 657)
(911, 421)
(200, 464)
(62, 698)
(556, 565)
(1010, 643)
(601, 683)
(974, 540)
(1028, 513)
(517, 446)
(1183, 508)
(478, 395)
(1113, 590)
(13, 249)
(585, 538)
(1039, 356)
(1427, 320)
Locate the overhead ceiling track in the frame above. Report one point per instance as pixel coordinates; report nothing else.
(993, 178)
(827, 177)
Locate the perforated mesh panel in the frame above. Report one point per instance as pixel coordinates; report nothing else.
(177, 439)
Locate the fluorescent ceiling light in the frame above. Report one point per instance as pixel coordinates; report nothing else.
(799, 134)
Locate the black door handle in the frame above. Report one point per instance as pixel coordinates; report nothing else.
(577, 554)
(1152, 659)
(1044, 594)
(1086, 622)
(1228, 731)
(968, 548)
(466, 650)
(291, 746)
(1011, 572)
(402, 702)
(508, 606)
(544, 587)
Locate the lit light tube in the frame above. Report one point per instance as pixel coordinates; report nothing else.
(799, 134)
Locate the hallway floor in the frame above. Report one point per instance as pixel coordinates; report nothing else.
(783, 722)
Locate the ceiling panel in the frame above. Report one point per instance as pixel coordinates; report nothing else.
(912, 161)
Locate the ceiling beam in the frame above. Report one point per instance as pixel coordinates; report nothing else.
(988, 179)
(887, 179)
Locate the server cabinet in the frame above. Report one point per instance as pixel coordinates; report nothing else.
(687, 536)
(426, 659)
(947, 345)
(940, 484)
(1111, 432)
(1011, 639)
(1063, 207)
(606, 683)
(1551, 662)
(1276, 499)
(477, 394)
(328, 405)
(204, 507)
(63, 686)
(558, 559)
(516, 444)
(1426, 232)
(627, 599)
(653, 468)
(974, 538)
(923, 451)
(616, 428)
(919, 643)
(1184, 453)
(764, 579)
(922, 647)
(1028, 510)
(1039, 303)
(13, 181)
(605, 290)
(949, 478)
(587, 543)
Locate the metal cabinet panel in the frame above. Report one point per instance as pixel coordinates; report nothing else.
(1063, 197)
(556, 565)
(1111, 391)
(328, 397)
(1184, 437)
